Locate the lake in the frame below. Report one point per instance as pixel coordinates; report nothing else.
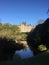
(24, 54)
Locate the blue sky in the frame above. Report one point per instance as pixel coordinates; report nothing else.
(17, 11)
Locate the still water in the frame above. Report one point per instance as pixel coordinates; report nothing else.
(24, 53)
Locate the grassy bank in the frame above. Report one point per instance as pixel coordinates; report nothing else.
(41, 59)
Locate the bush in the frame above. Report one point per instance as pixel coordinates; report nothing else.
(8, 48)
(38, 36)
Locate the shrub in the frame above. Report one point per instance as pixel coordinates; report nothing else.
(38, 36)
(8, 48)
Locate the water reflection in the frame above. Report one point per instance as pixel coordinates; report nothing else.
(25, 54)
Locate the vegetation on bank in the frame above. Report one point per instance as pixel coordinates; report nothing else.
(39, 38)
(8, 48)
(41, 59)
(38, 41)
(11, 31)
(9, 34)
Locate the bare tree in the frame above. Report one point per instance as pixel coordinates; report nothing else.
(40, 21)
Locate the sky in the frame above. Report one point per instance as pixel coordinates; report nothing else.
(17, 11)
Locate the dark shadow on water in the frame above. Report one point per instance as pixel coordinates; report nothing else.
(24, 54)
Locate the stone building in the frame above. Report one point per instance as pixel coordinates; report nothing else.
(25, 28)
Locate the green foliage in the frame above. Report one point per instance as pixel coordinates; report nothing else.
(15, 28)
(42, 47)
(1, 26)
(24, 37)
(6, 26)
(39, 37)
(9, 31)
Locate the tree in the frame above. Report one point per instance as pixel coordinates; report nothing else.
(24, 22)
(40, 21)
(15, 28)
(1, 26)
(39, 36)
(6, 26)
